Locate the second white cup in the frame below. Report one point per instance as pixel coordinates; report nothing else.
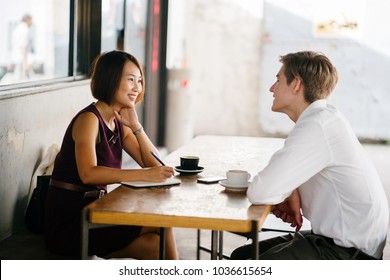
(237, 177)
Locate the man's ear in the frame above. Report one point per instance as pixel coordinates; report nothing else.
(298, 85)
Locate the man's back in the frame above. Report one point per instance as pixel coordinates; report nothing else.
(345, 200)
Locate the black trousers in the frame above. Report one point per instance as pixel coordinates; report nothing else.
(300, 246)
(63, 227)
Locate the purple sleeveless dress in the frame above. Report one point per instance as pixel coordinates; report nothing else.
(63, 207)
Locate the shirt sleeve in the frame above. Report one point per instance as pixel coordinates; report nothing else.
(304, 154)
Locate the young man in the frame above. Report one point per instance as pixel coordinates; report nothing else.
(321, 173)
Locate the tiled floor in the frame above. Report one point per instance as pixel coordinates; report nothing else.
(25, 245)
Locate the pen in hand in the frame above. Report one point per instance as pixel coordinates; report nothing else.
(156, 157)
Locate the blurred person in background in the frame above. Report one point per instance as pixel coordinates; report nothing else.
(22, 48)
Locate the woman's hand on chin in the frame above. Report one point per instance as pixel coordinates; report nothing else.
(128, 117)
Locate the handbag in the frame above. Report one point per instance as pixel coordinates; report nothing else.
(35, 213)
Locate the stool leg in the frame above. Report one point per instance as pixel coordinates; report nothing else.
(220, 251)
(255, 240)
(162, 243)
(214, 244)
(84, 234)
(198, 245)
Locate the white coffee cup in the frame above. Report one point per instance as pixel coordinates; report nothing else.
(237, 177)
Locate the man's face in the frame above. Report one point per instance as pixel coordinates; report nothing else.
(282, 93)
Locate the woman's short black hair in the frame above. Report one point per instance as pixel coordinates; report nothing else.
(107, 75)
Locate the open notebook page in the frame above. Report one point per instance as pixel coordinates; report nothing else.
(142, 184)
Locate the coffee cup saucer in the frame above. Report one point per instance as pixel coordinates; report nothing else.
(187, 171)
(235, 188)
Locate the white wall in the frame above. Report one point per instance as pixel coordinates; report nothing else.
(361, 55)
(219, 42)
(232, 50)
(29, 125)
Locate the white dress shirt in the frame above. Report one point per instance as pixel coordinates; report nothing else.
(341, 193)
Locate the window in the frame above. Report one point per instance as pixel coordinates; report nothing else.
(35, 40)
(51, 41)
(47, 41)
(124, 26)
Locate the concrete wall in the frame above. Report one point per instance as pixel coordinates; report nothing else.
(29, 125)
(224, 53)
(361, 54)
(219, 42)
(231, 49)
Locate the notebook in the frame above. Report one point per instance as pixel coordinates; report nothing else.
(142, 184)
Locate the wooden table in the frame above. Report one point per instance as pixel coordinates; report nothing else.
(191, 205)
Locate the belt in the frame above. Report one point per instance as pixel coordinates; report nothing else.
(356, 254)
(88, 193)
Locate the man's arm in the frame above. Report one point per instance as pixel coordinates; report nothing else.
(290, 210)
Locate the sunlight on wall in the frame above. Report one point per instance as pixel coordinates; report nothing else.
(352, 35)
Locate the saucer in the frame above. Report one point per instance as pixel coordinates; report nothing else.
(233, 188)
(188, 172)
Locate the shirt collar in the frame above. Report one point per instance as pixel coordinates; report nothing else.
(320, 103)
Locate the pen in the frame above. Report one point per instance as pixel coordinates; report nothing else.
(156, 157)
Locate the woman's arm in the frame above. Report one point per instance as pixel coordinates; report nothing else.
(84, 133)
(137, 146)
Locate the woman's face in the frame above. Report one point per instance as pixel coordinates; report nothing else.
(130, 85)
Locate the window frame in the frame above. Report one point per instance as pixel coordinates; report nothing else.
(84, 46)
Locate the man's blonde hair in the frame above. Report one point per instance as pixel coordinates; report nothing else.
(314, 69)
